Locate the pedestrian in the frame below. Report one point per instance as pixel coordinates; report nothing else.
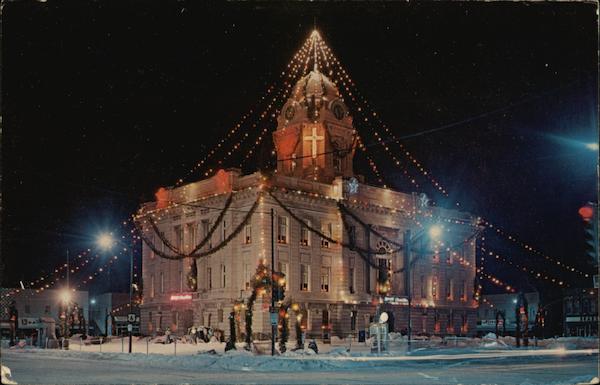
(168, 335)
(194, 336)
(13, 315)
(313, 345)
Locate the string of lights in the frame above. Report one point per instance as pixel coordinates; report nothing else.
(532, 272)
(532, 250)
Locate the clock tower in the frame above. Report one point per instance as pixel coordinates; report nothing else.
(314, 137)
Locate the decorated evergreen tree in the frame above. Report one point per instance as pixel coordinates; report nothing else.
(260, 284)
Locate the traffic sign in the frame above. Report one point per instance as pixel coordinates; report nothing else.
(131, 317)
(273, 318)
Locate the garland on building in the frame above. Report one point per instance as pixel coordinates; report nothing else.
(318, 232)
(203, 241)
(345, 210)
(196, 255)
(260, 283)
(192, 276)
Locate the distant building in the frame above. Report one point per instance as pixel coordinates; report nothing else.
(33, 305)
(501, 307)
(580, 310)
(108, 314)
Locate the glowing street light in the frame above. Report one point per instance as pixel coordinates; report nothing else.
(65, 295)
(105, 241)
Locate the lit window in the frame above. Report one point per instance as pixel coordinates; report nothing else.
(248, 233)
(178, 230)
(304, 277)
(283, 268)
(191, 236)
(450, 290)
(282, 229)
(434, 286)
(325, 272)
(305, 235)
(326, 229)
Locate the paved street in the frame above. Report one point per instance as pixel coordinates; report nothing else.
(41, 367)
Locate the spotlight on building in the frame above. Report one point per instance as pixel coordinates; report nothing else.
(435, 231)
(592, 146)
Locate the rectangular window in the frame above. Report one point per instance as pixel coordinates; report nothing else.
(223, 230)
(434, 287)
(223, 276)
(247, 276)
(248, 233)
(178, 231)
(450, 256)
(191, 236)
(352, 235)
(209, 277)
(205, 230)
(162, 244)
(304, 277)
(162, 282)
(462, 291)
(325, 273)
(337, 163)
(220, 315)
(152, 286)
(351, 279)
(327, 229)
(27, 309)
(180, 281)
(450, 290)
(282, 229)
(305, 235)
(423, 287)
(283, 268)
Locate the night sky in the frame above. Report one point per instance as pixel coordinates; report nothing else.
(104, 102)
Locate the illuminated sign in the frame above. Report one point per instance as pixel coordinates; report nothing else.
(181, 297)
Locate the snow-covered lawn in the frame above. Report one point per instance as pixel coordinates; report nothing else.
(470, 361)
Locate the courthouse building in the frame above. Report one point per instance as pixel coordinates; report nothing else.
(338, 240)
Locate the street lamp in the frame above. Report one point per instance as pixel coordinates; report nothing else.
(434, 233)
(106, 241)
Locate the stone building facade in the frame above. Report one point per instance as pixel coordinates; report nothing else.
(343, 265)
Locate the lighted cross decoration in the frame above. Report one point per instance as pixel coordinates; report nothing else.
(314, 138)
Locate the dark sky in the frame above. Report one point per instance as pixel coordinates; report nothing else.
(103, 102)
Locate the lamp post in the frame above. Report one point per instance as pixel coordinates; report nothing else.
(106, 241)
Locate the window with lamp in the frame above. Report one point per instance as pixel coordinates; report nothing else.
(305, 235)
(282, 229)
(326, 229)
(325, 273)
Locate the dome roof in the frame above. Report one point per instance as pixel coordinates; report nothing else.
(314, 84)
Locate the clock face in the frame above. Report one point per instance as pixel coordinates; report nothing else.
(338, 111)
(289, 112)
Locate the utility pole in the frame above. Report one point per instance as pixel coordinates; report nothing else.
(68, 297)
(130, 326)
(272, 312)
(406, 247)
